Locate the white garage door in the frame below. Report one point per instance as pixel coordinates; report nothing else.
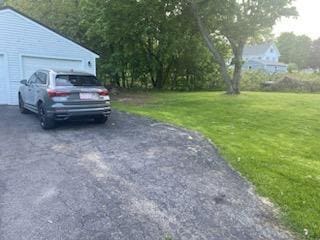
(32, 64)
(4, 95)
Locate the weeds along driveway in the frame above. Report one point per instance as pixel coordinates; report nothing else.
(130, 179)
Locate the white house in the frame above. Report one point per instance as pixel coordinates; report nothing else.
(27, 45)
(263, 57)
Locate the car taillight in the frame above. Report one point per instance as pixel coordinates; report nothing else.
(54, 93)
(103, 92)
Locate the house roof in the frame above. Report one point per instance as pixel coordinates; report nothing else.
(49, 28)
(258, 49)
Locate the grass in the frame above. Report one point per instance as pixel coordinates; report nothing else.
(273, 139)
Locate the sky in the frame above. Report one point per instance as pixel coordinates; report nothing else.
(307, 23)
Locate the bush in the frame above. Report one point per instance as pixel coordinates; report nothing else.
(288, 84)
(254, 80)
(292, 67)
(282, 82)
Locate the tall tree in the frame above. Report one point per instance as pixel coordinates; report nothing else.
(145, 43)
(236, 21)
(295, 49)
(154, 41)
(314, 60)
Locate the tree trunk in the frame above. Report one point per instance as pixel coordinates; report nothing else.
(153, 81)
(237, 61)
(117, 80)
(174, 82)
(123, 77)
(159, 78)
(132, 81)
(233, 86)
(236, 79)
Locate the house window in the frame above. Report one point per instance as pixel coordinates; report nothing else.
(271, 50)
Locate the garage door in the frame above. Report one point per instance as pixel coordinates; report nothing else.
(32, 64)
(4, 95)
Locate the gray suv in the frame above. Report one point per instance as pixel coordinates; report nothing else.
(61, 95)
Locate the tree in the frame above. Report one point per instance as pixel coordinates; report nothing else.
(65, 17)
(314, 60)
(142, 44)
(295, 49)
(149, 43)
(236, 21)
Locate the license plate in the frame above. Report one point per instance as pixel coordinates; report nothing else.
(88, 96)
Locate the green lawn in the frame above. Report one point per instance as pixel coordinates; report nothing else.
(273, 139)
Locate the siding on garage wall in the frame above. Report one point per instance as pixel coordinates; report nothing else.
(3, 78)
(20, 36)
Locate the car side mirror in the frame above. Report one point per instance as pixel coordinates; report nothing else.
(24, 82)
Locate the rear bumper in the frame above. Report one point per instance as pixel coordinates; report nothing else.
(64, 113)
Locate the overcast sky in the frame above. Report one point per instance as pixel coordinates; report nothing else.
(307, 23)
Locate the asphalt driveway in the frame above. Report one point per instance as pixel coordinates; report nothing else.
(130, 179)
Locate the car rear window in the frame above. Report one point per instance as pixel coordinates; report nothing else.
(76, 80)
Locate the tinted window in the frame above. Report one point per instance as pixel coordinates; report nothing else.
(41, 78)
(32, 79)
(76, 80)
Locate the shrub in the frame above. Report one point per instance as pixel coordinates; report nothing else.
(282, 82)
(288, 84)
(252, 80)
(292, 67)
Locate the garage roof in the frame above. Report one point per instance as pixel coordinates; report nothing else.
(49, 28)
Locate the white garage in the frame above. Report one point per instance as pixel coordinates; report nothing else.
(3, 79)
(27, 46)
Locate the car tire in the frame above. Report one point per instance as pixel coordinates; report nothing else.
(45, 121)
(101, 119)
(22, 109)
